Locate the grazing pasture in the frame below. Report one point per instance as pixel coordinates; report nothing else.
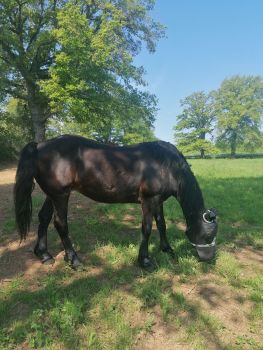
(115, 305)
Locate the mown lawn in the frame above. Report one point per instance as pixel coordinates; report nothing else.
(115, 305)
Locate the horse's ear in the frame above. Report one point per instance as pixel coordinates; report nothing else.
(209, 215)
(212, 214)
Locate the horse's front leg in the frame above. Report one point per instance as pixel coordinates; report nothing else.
(161, 226)
(147, 218)
(61, 211)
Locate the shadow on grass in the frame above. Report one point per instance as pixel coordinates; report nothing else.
(52, 312)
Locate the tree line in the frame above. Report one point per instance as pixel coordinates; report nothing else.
(227, 119)
(68, 65)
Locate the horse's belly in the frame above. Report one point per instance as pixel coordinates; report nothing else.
(111, 191)
(110, 195)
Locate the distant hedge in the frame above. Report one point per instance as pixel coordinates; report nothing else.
(225, 156)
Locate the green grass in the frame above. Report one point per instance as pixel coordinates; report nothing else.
(113, 302)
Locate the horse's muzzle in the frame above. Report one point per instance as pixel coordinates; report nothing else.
(206, 253)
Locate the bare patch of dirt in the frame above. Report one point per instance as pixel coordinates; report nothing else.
(128, 218)
(7, 178)
(251, 261)
(229, 306)
(160, 339)
(7, 175)
(181, 226)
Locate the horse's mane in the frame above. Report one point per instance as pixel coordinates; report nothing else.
(167, 154)
(189, 193)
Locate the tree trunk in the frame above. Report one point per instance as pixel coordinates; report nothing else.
(202, 151)
(38, 106)
(233, 144)
(39, 127)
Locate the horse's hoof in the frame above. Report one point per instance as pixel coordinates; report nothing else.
(172, 254)
(169, 251)
(77, 265)
(74, 263)
(46, 258)
(147, 264)
(48, 261)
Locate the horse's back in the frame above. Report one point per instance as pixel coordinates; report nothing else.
(103, 172)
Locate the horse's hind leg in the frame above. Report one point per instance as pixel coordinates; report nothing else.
(45, 216)
(61, 211)
(143, 257)
(161, 226)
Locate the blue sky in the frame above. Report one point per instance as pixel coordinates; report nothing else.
(207, 41)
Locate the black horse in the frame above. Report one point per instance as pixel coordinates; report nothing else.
(147, 173)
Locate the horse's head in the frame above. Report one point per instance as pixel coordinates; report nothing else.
(202, 235)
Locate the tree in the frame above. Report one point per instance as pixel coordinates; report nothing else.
(90, 45)
(239, 108)
(26, 52)
(15, 128)
(195, 123)
(94, 80)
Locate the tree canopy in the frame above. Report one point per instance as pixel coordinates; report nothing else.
(74, 60)
(27, 50)
(239, 108)
(195, 123)
(231, 115)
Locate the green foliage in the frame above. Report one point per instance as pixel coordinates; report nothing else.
(93, 80)
(239, 108)
(123, 134)
(90, 46)
(233, 114)
(194, 124)
(26, 51)
(15, 128)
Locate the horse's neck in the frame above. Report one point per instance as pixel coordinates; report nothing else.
(189, 196)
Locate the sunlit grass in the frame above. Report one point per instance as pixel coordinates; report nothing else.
(228, 267)
(227, 168)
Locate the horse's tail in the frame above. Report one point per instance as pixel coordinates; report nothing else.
(23, 188)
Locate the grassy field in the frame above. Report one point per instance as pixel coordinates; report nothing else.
(115, 305)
